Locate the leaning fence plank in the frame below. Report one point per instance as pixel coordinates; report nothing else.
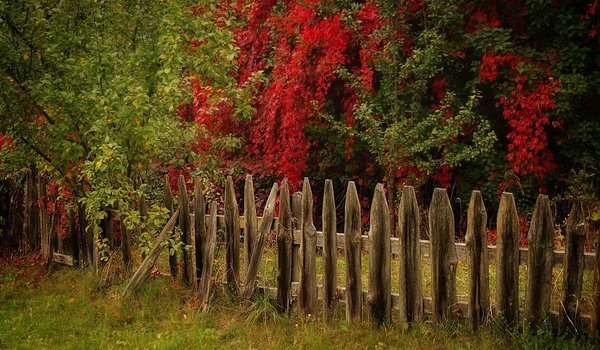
(443, 257)
(208, 255)
(199, 227)
(232, 237)
(573, 268)
(143, 271)
(479, 276)
(249, 219)
(184, 226)
(379, 298)
(284, 250)
(409, 256)
(539, 263)
(507, 261)
(329, 252)
(308, 249)
(168, 201)
(265, 228)
(352, 240)
(296, 235)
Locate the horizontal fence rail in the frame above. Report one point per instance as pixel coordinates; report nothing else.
(461, 249)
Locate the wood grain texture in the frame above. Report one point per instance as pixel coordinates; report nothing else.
(379, 298)
(409, 256)
(199, 204)
(308, 249)
(443, 257)
(329, 252)
(352, 243)
(249, 219)
(479, 275)
(539, 263)
(168, 200)
(208, 257)
(232, 237)
(284, 250)
(507, 261)
(184, 226)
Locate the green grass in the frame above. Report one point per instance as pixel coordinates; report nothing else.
(69, 310)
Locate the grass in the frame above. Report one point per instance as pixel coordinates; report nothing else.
(69, 310)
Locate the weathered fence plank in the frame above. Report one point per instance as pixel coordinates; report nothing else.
(44, 240)
(208, 257)
(409, 256)
(507, 261)
(443, 257)
(479, 272)
(308, 248)
(232, 237)
(284, 250)
(168, 201)
(329, 252)
(265, 228)
(249, 219)
(199, 227)
(143, 271)
(573, 268)
(539, 263)
(184, 226)
(296, 235)
(379, 299)
(352, 241)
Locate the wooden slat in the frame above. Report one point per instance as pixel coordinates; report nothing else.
(184, 227)
(296, 234)
(352, 228)
(249, 220)
(379, 300)
(308, 251)
(573, 274)
(539, 263)
(63, 259)
(208, 257)
(265, 228)
(284, 250)
(479, 269)
(232, 237)
(443, 256)
(168, 201)
(411, 275)
(329, 251)
(199, 204)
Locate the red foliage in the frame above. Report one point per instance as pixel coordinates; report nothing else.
(531, 90)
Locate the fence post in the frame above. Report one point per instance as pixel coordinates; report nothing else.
(208, 256)
(308, 247)
(409, 256)
(199, 227)
(443, 257)
(539, 263)
(232, 236)
(265, 228)
(479, 274)
(284, 250)
(184, 226)
(380, 297)
(168, 200)
(296, 218)
(352, 240)
(573, 266)
(329, 252)
(250, 220)
(507, 261)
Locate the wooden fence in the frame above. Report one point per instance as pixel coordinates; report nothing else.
(298, 242)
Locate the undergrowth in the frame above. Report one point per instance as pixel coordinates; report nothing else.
(69, 310)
